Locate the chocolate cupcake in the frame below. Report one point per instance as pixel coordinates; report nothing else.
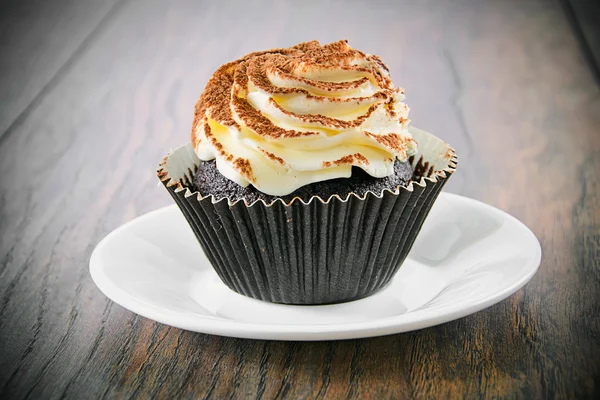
(208, 179)
(303, 182)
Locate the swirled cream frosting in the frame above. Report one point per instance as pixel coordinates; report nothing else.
(284, 118)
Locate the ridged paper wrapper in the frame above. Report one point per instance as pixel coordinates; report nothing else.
(317, 252)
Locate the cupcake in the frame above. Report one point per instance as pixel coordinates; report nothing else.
(303, 182)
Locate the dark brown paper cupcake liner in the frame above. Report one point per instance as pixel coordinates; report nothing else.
(316, 252)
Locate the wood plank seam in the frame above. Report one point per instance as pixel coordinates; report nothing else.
(63, 70)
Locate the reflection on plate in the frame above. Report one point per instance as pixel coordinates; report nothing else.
(467, 257)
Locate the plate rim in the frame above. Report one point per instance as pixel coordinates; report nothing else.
(339, 331)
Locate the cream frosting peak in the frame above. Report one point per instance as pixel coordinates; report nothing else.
(284, 118)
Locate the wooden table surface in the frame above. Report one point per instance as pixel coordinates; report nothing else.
(93, 94)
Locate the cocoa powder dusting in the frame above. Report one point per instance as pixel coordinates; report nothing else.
(230, 81)
(224, 98)
(217, 146)
(272, 156)
(391, 140)
(327, 121)
(260, 124)
(349, 159)
(244, 168)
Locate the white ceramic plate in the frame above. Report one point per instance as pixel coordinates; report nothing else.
(467, 257)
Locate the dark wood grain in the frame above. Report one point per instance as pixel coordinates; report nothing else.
(584, 17)
(503, 81)
(38, 41)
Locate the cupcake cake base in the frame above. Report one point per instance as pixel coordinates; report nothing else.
(208, 179)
